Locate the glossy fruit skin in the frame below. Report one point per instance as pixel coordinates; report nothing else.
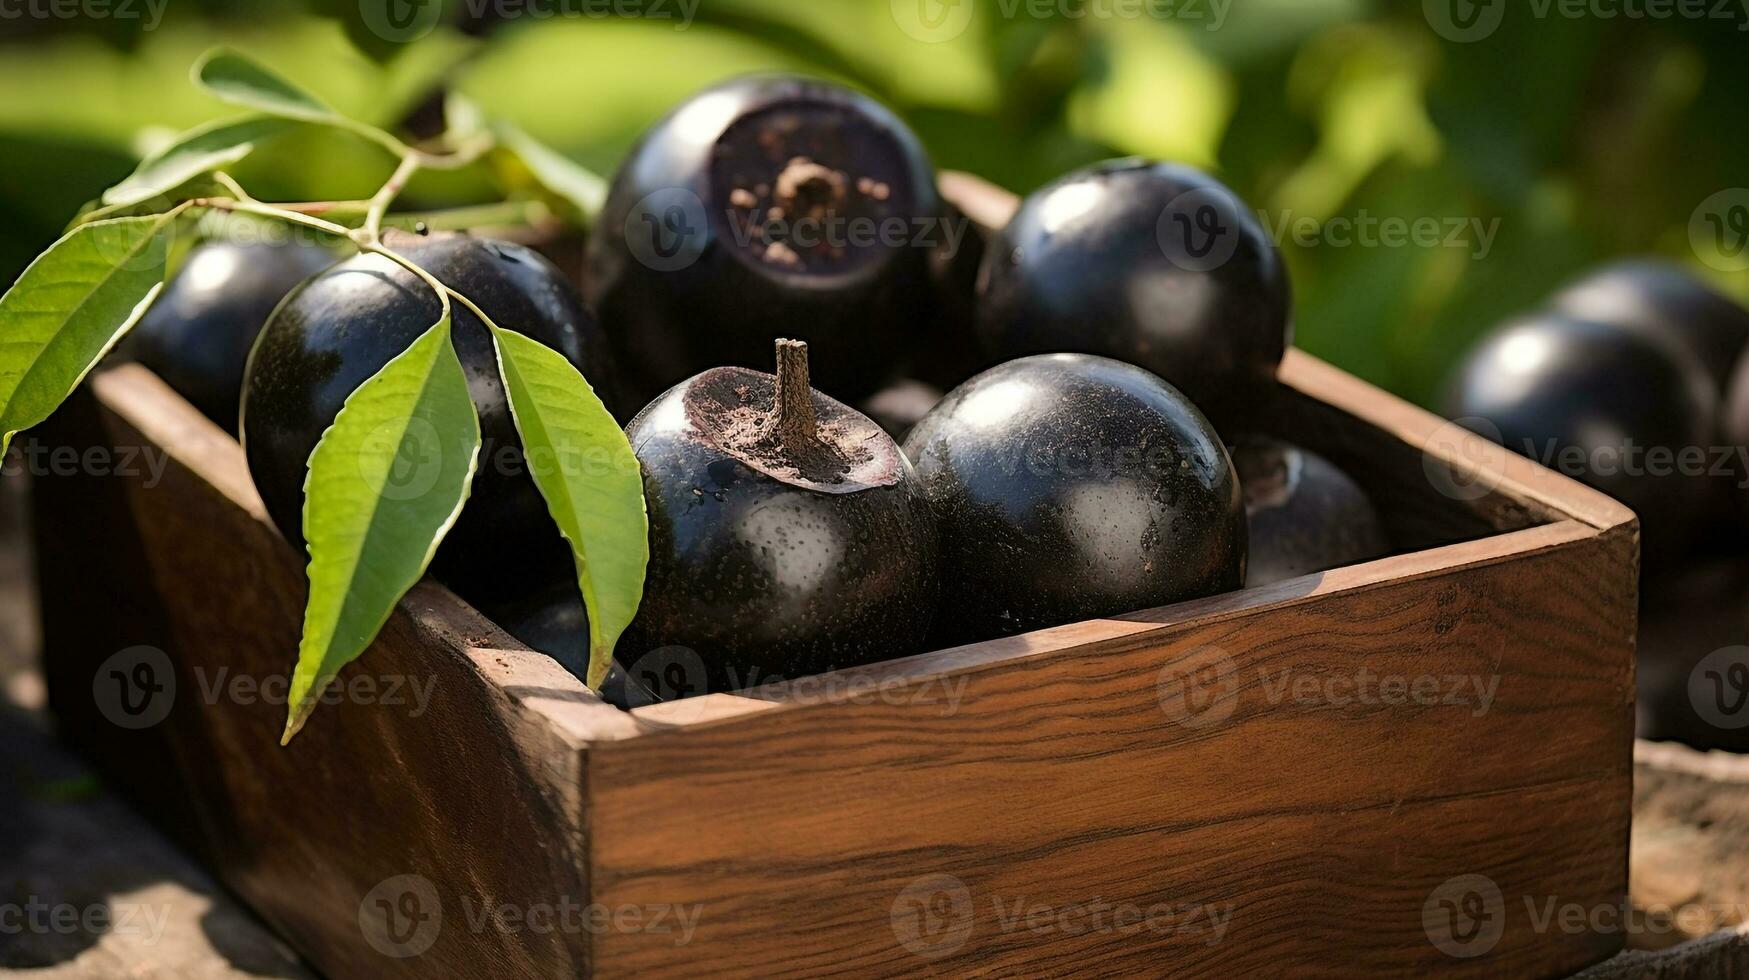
(197, 334)
(1111, 260)
(1069, 487)
(724, 304)
(949, 352)
(1662, 298)
(340, 328)
(1579, 390)
(1304, 514)
(765, 579)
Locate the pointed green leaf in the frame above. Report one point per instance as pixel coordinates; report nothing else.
(563, 177)
(243, 81)
(196, 152)
(585, 469)
(70, 307)
(385, 484)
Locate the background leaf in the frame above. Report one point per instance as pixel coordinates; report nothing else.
(579, 187)
(70, 307)
(199, 151)
(585, 469)
(242, 81)
(385, 484)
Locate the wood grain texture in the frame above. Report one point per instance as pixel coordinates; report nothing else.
(470, 789)
(1060, 779)
(1040, 772)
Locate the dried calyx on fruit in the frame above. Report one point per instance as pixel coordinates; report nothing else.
(787, 533)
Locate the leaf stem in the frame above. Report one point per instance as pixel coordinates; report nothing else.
(385, 196)
(357, 237)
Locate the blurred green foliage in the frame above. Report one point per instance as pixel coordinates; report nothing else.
(1552, 144)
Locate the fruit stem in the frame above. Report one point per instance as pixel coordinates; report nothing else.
(793, 411)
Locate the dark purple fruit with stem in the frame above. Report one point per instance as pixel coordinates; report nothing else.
(788, 535)
(1305, 515)
(1630, 413)
(1155, 264)
(1662, 298)
(766, 207)
(197, 334)
(1069, 487)
(340, 328)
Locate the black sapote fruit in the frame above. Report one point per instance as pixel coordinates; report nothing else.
(1069, 487)
(197, 334)
(901, 405)
(1155, 264)
(948, 351)
(788, 534)
(1663, 298)
(1624, 411)
(762, 207)
(342, 326)
(1305, 515)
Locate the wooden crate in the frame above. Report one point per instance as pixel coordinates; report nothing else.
(1199, 789)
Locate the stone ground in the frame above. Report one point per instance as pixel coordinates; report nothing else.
(144, 910)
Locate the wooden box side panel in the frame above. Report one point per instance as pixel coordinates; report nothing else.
(1234, 768)
(425, 772)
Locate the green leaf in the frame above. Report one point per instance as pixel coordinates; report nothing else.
(585, 469)
(196, 152)
(242, 81)
(70, 307)
(385, 484)
(575, 184)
